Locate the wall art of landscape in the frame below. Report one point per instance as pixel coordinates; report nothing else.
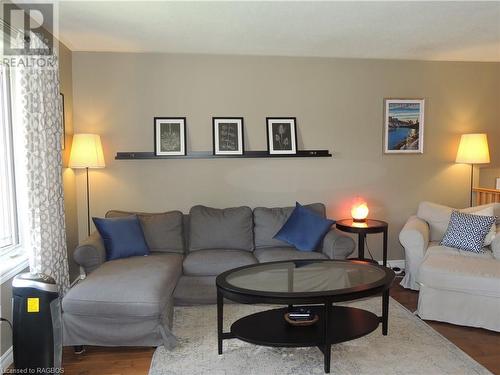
(403, 127)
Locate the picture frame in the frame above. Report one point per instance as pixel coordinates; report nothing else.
(62, 114)
(281, 135)
(404, 126)
(498, 183)
(227, 136)
(170, 136)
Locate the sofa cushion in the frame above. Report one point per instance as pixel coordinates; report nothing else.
(122, 236)
(162, 231)
(133, 287)
(215, 261)
(468, 231)
(274, 254)
(438, 216)
(304, 229)
(213, 228)
(436, 247)
(196, 290)
(495, 244)
(447, 268)
(268, 221)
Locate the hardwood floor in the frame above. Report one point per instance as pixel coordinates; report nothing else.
(107, 361)
(480, 344)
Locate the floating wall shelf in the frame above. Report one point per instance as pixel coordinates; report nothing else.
(210, 155)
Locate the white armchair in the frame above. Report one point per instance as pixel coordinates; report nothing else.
(456, 286)
(424, 230)
(415, 239)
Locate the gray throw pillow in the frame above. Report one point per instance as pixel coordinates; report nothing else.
(162, 231)
(213, 228)
(268, 222)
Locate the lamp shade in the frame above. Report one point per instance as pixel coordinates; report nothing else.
(473, 149)
(86, 152)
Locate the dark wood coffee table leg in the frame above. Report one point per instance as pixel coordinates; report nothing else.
(385, 248)
(361, 245)
(385, 311)
(328, 346)
(220, 314)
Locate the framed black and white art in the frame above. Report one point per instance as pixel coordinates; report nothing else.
(170, 135)
(281, 135)
(228, 135)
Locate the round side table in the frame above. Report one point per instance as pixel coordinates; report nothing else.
(362, 229)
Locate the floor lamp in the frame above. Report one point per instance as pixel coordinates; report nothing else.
(86, 152)
(473, 149)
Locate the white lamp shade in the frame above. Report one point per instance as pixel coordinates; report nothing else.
(473, 149)
(86, 152)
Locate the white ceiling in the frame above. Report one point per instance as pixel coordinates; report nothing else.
(462, 31)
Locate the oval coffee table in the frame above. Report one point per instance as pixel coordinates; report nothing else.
(304, 282)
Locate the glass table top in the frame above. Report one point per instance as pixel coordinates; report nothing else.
(304, 276)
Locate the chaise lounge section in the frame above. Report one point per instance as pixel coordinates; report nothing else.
(129, 302)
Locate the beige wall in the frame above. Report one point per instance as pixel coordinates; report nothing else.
(338, 104)
(489, 176)
(66, 87)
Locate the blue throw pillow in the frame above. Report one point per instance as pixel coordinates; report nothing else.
(122, 236)
(467, 231)
(304, 229)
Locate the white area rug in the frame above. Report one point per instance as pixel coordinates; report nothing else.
(412, 347)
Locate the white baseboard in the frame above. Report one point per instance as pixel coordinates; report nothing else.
(395, 263)
(6, 360)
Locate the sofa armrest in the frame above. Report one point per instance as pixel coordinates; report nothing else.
(415, 239)
(90, 254)
(415, 236)
(495, 246)
(337, 245)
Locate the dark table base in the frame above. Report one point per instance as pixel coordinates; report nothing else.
(269, 328)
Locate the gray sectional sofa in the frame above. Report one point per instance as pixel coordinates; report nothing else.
(129, 302)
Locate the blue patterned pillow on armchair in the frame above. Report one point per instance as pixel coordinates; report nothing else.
(467, 231)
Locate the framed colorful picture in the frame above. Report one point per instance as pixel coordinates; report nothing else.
(404, 126)
(228, 135)
(170, 135)
(281, 135)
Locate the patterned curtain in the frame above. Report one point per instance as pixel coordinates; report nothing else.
(38, 96)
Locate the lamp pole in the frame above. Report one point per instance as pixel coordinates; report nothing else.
(88, 202)
(471, 183)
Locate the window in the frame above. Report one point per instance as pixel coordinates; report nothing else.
(9, 229)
